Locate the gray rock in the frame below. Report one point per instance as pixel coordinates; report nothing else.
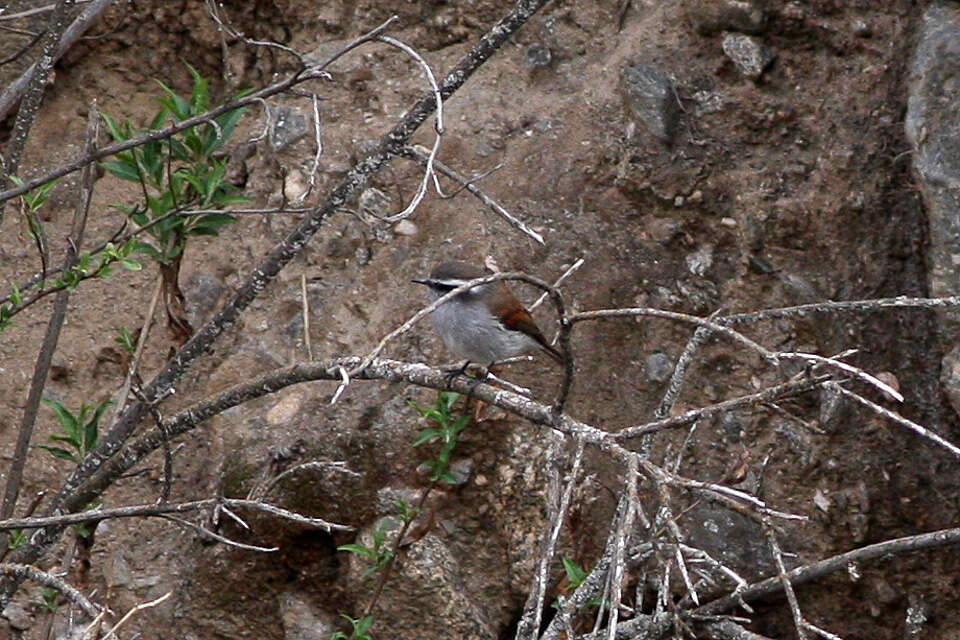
(405, 228)
(649, 94)
(916, 617)
(461, 470)
(202, 294)
(17, 616)
(749, 54)
(712, 16)
(700, 261)
(538, 55)
(430, 579)
(732, 427)
(300, 619)
(933, 129)
(289, 125)
(659, 367)
(116, 573)
(731, 538)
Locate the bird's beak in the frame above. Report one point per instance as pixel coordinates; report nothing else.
(419, 281)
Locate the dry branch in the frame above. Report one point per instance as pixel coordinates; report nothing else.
(52, 335)
(816, 570)
(22, 571)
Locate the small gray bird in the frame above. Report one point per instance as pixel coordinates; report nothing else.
(483, 324)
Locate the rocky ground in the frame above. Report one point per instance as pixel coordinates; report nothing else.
(698, 155)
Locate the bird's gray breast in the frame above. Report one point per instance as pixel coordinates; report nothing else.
(470, 331)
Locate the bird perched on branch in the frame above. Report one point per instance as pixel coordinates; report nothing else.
(485, 323)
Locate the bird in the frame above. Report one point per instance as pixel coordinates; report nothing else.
(486, 323)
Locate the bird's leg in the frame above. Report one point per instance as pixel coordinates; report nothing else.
(456, 372)
(479, 406)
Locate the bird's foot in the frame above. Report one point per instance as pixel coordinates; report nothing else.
(454, 372)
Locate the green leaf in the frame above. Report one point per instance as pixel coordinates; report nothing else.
(176, 105)
(427, 435)
(59, 453)
(67, 420)
(358, 549)
(126, 341)
(200, 96)
(121, 170)
(115, 131)
(575, 574)
(363, 625)
(130, 264)
(90, 430)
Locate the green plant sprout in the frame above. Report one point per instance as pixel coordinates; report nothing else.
(447, 432)
(80, 432)
(50, 597)
(126, 341)
(186, 170)
(379, 555)
(16, 538)
(358, 631)
(575, 576)
(182, 170)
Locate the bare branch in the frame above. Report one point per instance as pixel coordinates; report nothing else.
(52, 335)
(529, 624)
(416, 154)
(438, 127)
(896, 417)
(784, 582)
(48, 580)
(134, 610)
(785, 390)
(149, 510)
(18, 87)
(846, 368)
(216, 536)
(816, 570)
(699, 338)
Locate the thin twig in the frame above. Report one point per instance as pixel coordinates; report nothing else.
(423, 159)
(785, 390)
(815, 570)
(138, 350)
(134, 610)
(896, 417)
(529, 624)
(48, 580)
(699, 338)
(785, 582)
(556, 283)
(318, 143)
(52, 335)
(438, 126)
(624, 529)
(846, 368)
(149, 510)
(216, 536)
(315, 465)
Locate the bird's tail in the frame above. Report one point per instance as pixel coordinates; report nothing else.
(552, 352)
